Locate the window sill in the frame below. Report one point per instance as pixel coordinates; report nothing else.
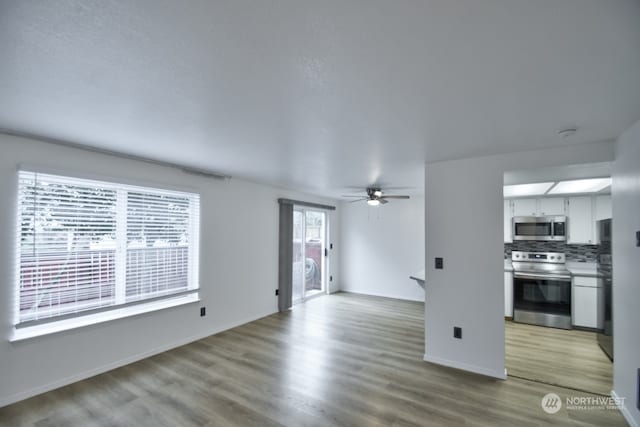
(21, 334)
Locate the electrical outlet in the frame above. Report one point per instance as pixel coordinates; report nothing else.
(331, 278)
(457, 332)
(203, 311)
(439, 263)
(277, 292)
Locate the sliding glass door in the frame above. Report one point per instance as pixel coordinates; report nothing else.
(309, 261)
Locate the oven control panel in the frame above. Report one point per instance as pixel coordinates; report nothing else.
(548, 257)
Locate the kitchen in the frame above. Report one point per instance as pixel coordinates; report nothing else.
(557, 276)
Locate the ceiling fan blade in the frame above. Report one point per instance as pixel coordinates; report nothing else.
(358, 200)
(346, 195)
(384, 187)
(382, 200)
(395, 197)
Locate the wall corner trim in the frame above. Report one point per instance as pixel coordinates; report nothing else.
(501, 375)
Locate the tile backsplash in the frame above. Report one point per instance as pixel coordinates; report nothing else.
(581, 253)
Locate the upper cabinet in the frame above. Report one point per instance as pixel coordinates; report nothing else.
(603, 207)
(508, 214)
(582, 213)
(551, 206)
(525, 207)
(601, 210)
(580, 220)
(539, 207)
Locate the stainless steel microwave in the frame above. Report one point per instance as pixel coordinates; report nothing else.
(546, 228)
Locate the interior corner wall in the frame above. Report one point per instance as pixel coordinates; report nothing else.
(625, 193)
(238, 270)
(381, 247)
(464, 225)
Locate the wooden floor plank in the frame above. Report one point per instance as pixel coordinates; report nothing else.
(568, 358)
(338, 360)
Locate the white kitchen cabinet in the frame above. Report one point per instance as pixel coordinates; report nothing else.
(603, 207)
(525, 207)
(582, 213)
(508, 214)
(580, 220)
(508, 294)
(551, 206)
(601, 210)
(584, 302)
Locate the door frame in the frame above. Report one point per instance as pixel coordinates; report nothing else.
(324, 252)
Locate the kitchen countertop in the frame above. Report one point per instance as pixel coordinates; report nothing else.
(588, 269)
(419, 278)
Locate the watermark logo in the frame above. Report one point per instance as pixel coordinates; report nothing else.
(594, 402)
(551, 403)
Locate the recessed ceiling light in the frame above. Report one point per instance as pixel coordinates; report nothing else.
(566, 133)
(522, 190)
(592, 185)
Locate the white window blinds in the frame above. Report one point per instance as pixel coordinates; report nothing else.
(86, 245)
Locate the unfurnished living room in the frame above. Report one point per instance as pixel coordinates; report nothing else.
(319, 213)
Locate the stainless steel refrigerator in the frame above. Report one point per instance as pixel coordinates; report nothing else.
(605, 298)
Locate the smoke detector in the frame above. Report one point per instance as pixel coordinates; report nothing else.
(566, 133)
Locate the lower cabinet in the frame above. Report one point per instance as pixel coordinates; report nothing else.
(508, 294)
(585, 294)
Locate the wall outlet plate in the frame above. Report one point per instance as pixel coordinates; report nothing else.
(457, 332)
(439, 263)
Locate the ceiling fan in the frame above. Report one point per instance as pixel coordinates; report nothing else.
(375, 196)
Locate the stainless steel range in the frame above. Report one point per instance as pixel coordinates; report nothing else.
(541, 289)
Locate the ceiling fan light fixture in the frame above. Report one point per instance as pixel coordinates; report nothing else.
(377, 193)
(373, 202)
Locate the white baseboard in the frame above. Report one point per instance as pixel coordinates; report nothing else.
(501, 375)
(625, 411)
(122, 362)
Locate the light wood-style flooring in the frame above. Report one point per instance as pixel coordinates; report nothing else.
(568, 358)
(343, 360)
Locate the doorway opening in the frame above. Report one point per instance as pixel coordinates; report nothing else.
(557, 276)
(309, 253)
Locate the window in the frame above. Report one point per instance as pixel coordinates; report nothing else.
(87, 246)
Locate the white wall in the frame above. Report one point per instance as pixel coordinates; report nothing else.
(381, 247)
(239, 271)
(464, 224)
(626, 270)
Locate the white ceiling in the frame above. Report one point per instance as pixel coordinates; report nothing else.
(319, 95)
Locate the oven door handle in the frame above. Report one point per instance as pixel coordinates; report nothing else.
(541, 277)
